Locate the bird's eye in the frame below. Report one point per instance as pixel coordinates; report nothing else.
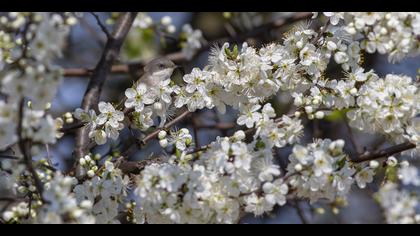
(161, 66)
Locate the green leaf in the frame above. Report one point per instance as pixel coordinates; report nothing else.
(391, 173)
(235, 51)
(337, 115)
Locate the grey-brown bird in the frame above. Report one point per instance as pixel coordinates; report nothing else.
(157, 70)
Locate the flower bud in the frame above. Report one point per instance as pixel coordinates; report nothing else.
(82, 161)
(171, 29)
(158, 106)
(332, 146)
(68, 115)
(184, 131)
(341, 57)
(320, 210)
(299, 44)
(319, 115)
(340, 143)
(353, 91)
(309, 109)
(166, 20)
(69, 120)
(162, 134)
(8, 215)
(239, 135)
(392, 161)
(374, 164)
(86, 204)
(298, 101)
(331, 46)
(91, 173)
(315, 101)
(32, 188)
(163, 143)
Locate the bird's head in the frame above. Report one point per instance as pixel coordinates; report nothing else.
(160, 67)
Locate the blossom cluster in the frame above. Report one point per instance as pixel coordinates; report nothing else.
(106, 190)
(103, 126)
(234, 175)
(190, 39)
(399, 205)
(30, 74)
(62, 206)
(144, 21)
(322, 171)
(211, 188)
(388, 106)
(392, 33)
(150, 101)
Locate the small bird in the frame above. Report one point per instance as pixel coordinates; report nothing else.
(154, 72)
(157, 70)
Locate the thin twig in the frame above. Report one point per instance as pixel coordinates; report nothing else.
(101, 25)
(155, 133)
(72, 127)
(93, 32)
(199, 149)
(9, 157)
(367, 156)
(22, 143)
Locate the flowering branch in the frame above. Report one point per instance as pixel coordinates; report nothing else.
(237, 173)
(155, 133)
(99, 74)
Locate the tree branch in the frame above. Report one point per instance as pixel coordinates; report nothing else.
(155, 133)
(367, 156)
(72, 127)
(22, 143)
(99, 74)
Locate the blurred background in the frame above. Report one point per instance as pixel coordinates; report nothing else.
(85, 46)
